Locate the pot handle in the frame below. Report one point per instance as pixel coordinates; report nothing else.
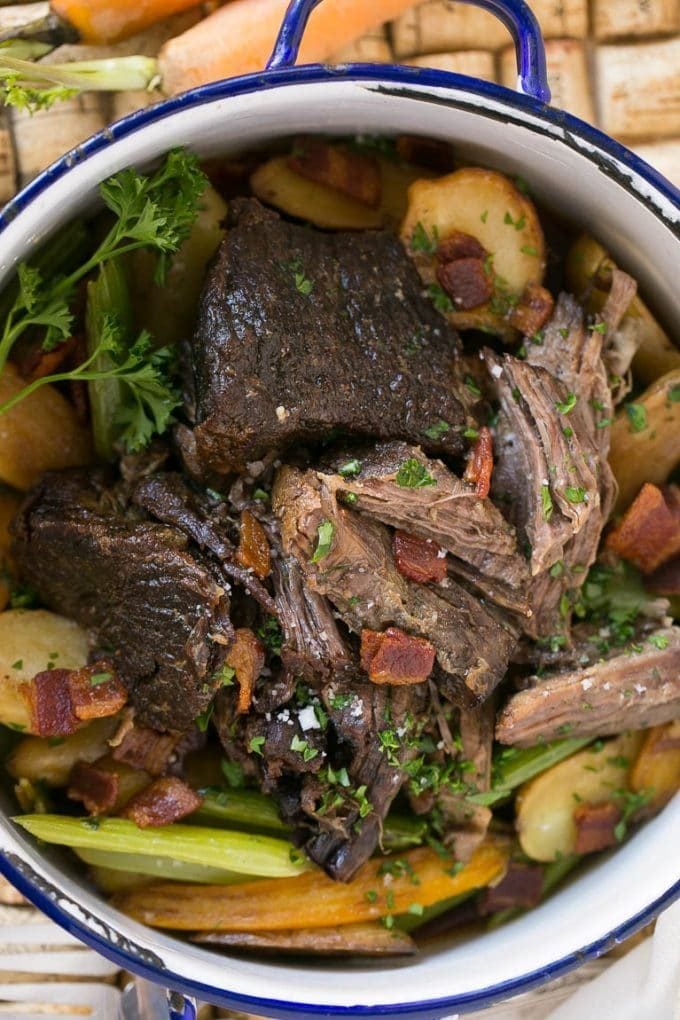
(515, 15)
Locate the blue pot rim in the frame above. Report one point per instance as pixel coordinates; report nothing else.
(407, 81)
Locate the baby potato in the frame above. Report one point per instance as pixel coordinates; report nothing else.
(645, 438)
(31, 641)
(486, 205)
(657, 767)
(545, 805)
(51, 761)
(41, 433)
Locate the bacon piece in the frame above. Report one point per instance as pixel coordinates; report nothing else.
(165, 801)
(52, 712)
(666, 579)
(393, 657)
(459, 245)
(521, 886)
(595, 826)
(96, 692)
(649, 533)
(41, 363)
(352, 173)
(429, 152)
(480, 463)
(146, 749)
(466, 282)
(253, 551)
(246, 658)
(96, 788)
(419, 559)
(533, 310)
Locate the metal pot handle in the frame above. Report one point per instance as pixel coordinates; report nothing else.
(515, 15)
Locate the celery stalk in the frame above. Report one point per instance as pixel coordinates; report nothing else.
(248, 808)
(159, 867)
(400, 832)
(107, 297)
(243, 853)
(514, 766)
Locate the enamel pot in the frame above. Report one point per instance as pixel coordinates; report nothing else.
(595, 183)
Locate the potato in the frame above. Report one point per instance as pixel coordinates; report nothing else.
(657, 767)
(487, 206)
(51, 760)
(545, 805)
(652, 452)
(39, 434)
(33, 640)
(656, 354)
(276, 184)
(169, 312)
(9, 504)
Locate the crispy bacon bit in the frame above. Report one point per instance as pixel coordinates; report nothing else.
(393, 657)
(40, 363)
(353, 173)
(521, 886)
(480, 463)
(96, 788)
(533, 310)
(649, 533)
(460, 246)
(165, 801)
(253, 551)
(246, 658)
(418, 559)
(595, 826)
(429, 152)
(52, 712)
(146, 749)
(466, 282)
(96, 692)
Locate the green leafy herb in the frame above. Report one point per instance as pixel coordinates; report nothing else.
(659, 641)
(350, 468)
(440, 299)
(599, 327)
(22, 596)
(630, 804)
(324, 540)
(270, 634)
(422, 241)
(233, 773)
(485, 215)
(308, 753)
(528, 249)
(225, 676)
(546, 502)
(340, 700)
(557, 569)
(19, 664)
(204, 718)
(637, 416)
(567, 432)
(350, 498)
(568, 405)
(575, 494)
(100, 678)
(256, 744)
(261, 495)
(472, 434)
(371, 896)
(674, 394)
(436, 431)
(472, 386)
(414, 475)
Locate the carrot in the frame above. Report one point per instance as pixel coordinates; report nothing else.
(239, 38)
(384, 886)
(107, 21)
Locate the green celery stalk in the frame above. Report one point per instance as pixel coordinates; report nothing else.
(60, 254)
(239, 852)
(400, 832)
(241, 807)
(514, 766)
(107, 296)
(159, 867)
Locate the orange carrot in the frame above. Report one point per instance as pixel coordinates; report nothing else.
(239, 38)
(382, 886)
(107, 21)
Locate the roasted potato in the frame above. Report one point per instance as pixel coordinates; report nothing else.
(645, 438)
(586, 270)
(51, 760)
(487, 206)
(545, 805)
(657, 767)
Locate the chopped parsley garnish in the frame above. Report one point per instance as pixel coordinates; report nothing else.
(485, 215)
(100, 678)
(414, 475)
(301, 746)
(568, 405)
(204, 718)
(630, 804)
(270, 634)
(224, 677)
(440, 299)
(422, 241)
(546, 502)
(417, 909)
(557, 569)
(256, 744)
(350, 498)
(567, 432)
(436, 431)
(340, 700)
(528, 249)
(599, 327)
(303, 284)
(637, 416)
(371, 896)
(19, 664)
(575, 494)
(324, 540)
(674, 394)
(22, 596)
(261, 495)
(659, 641)
(472, 386)
(350, 468)
(472, 434)
(233, 773)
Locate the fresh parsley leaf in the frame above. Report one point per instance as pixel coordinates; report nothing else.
(324, 540)
(637, 416)
(270, 634)
(424, 242)
(414, 475)
(674, 394)
(233, 773)
(100, 678)
(567, 406)
(440, 299)
(659, 641)
(204, 718)
(350, 468)
(436, 431)
(575, 494)
(546, 502)
(256, 744)
(224, 677)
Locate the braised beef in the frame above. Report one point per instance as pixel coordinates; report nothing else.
(301, 333)
(155, 606)
(632, 690)
(358, 575)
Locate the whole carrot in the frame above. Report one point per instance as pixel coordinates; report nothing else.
(107, 21)
(238, 38)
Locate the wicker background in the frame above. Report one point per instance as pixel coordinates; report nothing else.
(615, 63)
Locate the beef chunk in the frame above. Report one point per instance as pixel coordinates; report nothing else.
(482, 545)
(301, 333)
(359, 576)
(634, 690)
(154, 606)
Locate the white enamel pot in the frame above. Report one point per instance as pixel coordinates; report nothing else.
(592, 181)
